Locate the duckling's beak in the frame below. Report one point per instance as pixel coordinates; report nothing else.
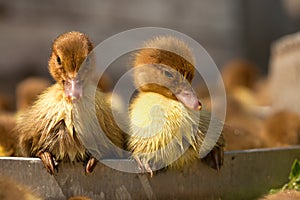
(73, 89)
(189, 98)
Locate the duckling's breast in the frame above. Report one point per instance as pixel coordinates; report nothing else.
(54, 129)
(159, 127)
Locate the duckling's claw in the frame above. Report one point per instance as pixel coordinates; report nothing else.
(90, 165)
(48, 162)
(148, 169)
(139, 162)
(215, 158)
(143, 166)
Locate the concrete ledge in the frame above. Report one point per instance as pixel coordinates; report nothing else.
(245, 175)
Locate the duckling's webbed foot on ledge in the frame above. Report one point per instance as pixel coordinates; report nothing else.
(48, 162)
(215, 158)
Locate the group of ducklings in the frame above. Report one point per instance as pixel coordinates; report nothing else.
(53, 120)
(167, 125)
(56, 126)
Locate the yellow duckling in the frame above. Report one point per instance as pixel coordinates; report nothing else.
(164, 116)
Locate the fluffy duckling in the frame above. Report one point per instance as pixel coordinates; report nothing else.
(28, 90)
(284, 73)
(61, 121)
(5, 103)
(244, 82)
(281, 129)
(245, 127)
(163, 115)
(8, 139)
(10, 189)
(239, 73)
(244, 113)
(26, 93)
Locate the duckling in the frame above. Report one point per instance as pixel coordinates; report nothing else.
(8, 139)
(281, 129)
(11, 189)
(284, 73)
(244, 82)
(239, 73)
(61, 122)
(164, 114)
(245, 127)
(26, 93)
(6, 103)
(28, 90)
(244, 111)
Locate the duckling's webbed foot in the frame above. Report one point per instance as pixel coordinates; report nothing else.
(143, 166)
(90, 165)
(48, 162)
(215, 158)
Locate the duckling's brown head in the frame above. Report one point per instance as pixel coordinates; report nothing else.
(166, 66)
(69, 50)
(169, 51)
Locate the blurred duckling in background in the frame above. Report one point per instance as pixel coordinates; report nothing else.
(162, 114)
(6, 103)
(245, 128)
(281, 129)
(243, 81)
(8, 144)
(105, 83)
(56, 125)
(284, 73)
(7, 123)
(246, 107)
(10, 190)
(114, 100)
(239, 73)
(28, 90)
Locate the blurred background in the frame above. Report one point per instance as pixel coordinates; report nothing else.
(247, 40)
(227, 29)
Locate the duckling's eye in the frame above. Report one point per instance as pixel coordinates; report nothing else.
(58, 60)
(168, 74)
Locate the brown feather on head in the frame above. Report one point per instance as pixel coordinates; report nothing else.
(69, 51)
(166, 66)
(151, 55)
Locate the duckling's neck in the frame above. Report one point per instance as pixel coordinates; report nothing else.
(151, 108)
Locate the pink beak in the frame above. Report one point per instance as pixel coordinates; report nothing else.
(189, 99)
(73, 90)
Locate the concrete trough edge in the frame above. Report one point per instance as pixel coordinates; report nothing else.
(246, 174)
